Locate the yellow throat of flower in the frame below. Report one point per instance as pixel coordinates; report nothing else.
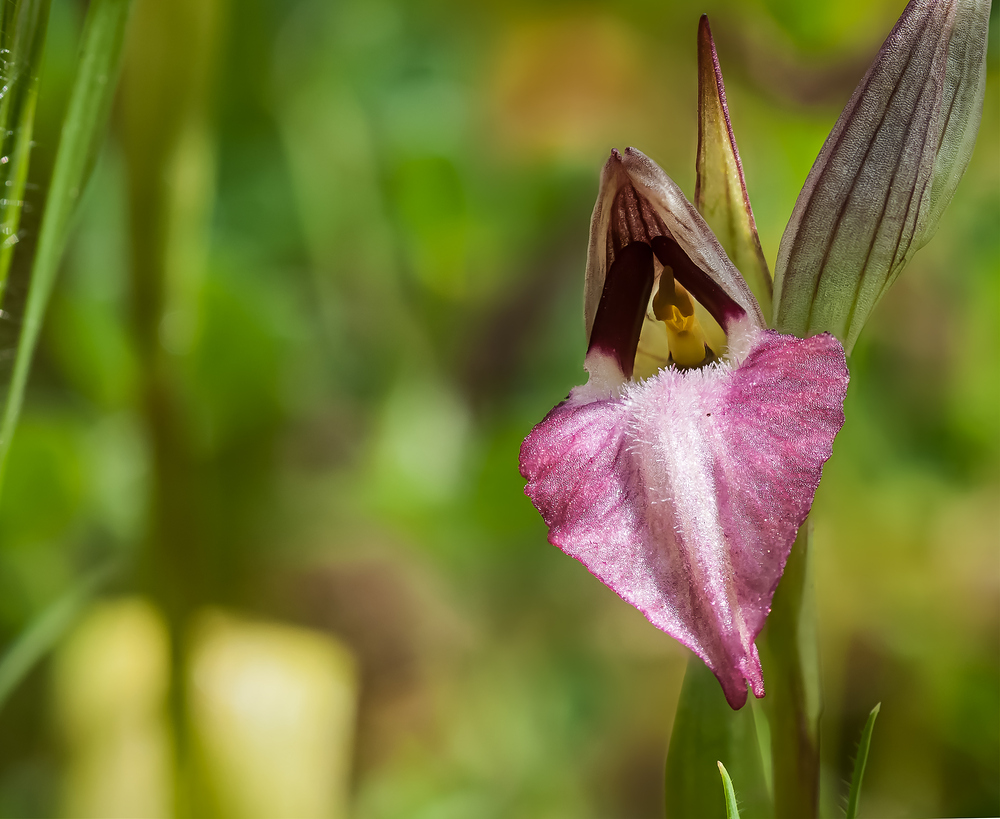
(673, 306)
(677, 331)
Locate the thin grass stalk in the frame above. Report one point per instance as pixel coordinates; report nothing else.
(41, 636)
(83, 128)
(22, 38)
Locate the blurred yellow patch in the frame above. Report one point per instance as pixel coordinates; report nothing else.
(567, 85)
(272, 709)
(110, 686)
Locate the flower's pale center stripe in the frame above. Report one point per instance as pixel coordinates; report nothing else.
(740, 340)
(674, 446)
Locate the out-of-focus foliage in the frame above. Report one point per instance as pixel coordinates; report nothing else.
(327, 276)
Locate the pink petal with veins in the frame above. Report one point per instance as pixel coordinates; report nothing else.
(684, 493)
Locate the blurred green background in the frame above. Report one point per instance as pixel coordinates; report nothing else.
(326, 276)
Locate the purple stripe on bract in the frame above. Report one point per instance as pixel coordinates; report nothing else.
(697, 282)
(624, 299)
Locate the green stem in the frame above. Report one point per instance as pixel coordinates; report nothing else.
(167, 136)
(791, 673)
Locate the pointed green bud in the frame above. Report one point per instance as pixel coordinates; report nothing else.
(721, 192)
(886, 172)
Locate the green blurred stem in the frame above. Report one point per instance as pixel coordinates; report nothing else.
(83, 127)
(791, 674)
(167, 136)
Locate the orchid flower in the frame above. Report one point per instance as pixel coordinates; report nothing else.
(681, 471)
(683, 491)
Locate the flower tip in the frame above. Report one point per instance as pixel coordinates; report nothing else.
(736, 699)
(708, 57)
(612, 169)
(752, 672)
(629, 153)
(739, 673)
(734, 687)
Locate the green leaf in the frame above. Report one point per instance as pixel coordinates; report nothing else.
(886, 172)
(790, 660)
(83, 128)
(721, 193)
(732, 810)
(706, 730)
(860, 762)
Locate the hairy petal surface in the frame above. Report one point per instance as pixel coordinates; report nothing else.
(684, 493)
(886, 172)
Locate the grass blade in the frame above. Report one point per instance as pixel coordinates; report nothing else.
(860, 762)
(89, 104)
(41, 636)
(24, 24)
(732, 810)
